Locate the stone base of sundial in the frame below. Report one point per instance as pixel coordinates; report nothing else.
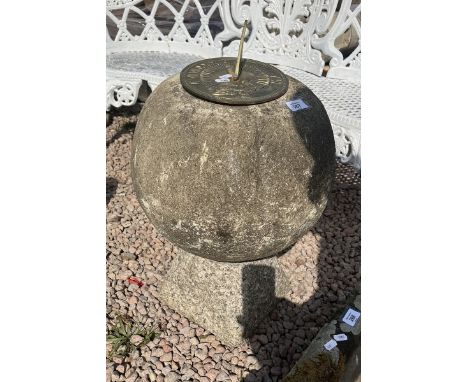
(227, 299)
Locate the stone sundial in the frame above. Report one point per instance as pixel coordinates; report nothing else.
(232, 162)
(233, 81)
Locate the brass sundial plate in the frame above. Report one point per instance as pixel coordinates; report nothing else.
(258, 82)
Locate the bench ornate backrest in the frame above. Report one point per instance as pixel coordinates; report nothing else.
(296, 33)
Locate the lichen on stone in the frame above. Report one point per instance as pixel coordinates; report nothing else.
(319, 369)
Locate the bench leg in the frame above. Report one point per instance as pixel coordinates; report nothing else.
(122, 92)
(348, 145)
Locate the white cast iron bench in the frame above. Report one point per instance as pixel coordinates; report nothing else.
(149, 40)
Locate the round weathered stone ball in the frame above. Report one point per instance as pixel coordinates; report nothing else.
(232, 183)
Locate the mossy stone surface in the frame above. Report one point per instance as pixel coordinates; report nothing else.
(232, 183)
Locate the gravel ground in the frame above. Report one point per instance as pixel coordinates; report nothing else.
(323, 266)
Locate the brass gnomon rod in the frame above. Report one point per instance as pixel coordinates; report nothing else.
(236, 75)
